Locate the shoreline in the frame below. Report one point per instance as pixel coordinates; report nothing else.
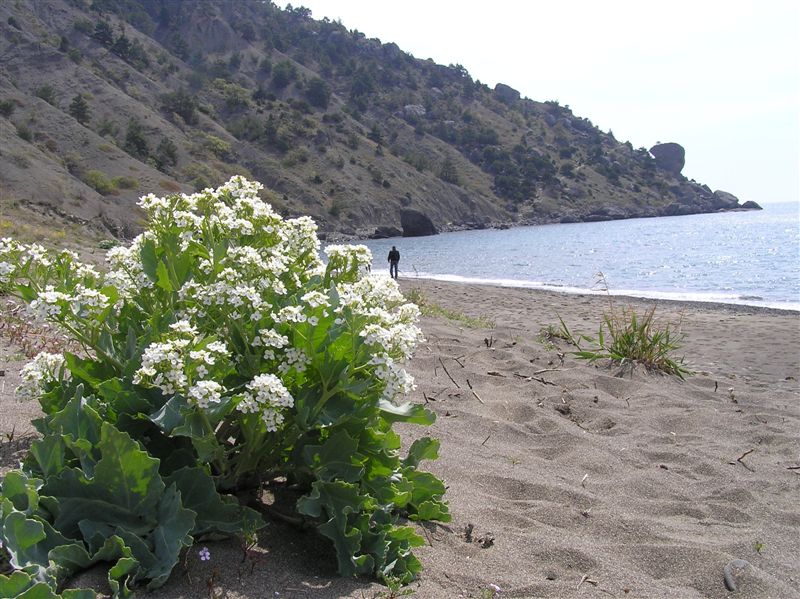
(624, 295)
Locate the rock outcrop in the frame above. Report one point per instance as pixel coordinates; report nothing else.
(416, 224)
(670, 157)
(751, 205)
(505, 93)
(724, 200)
(385, 231)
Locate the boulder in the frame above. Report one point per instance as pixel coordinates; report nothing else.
(669, 156)
(414, 110)
(751, 205)
(723, 200)
(677, 209)
(416, 224)
(505, 93)
(385, 231)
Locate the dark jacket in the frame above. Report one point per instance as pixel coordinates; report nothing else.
(394, 256)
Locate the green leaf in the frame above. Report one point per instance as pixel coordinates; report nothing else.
(170, 416)
(424, 448)
(21, 491)
(124, 491)
(16, 583)
(162, 276)
(170, 536)
(335, 459)
(217, 515)
(335, 501)
(149, 259)
(432, 510)
(49, 454)
(407, 412)
(122, 398)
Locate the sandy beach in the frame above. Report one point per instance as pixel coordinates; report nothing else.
(565, 479)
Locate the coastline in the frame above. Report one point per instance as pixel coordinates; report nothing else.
(565, 479)
(629, 295)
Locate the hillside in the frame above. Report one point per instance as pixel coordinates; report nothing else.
(102, 101)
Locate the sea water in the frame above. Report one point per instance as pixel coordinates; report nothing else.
(748, 257)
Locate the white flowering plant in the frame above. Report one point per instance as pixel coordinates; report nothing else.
(220, 355)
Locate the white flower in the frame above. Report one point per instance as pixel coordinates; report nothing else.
(45, 368)
(205, 392)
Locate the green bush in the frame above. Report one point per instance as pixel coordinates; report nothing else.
(25, 132)
(99, 182)
(220, 355)
(7, 107)
(125, 182)
(47, 93)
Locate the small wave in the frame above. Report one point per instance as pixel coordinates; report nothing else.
(717, 298)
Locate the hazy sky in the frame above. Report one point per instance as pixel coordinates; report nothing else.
(719, 77)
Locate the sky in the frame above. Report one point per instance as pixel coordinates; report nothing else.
(719, 77)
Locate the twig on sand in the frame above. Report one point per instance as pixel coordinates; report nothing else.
(739, 459)
(486, 439)
(478, 397)
(543, 370)
(458, 360)
(585, 578)
(448, 374)
(534, 378)
(793, 467)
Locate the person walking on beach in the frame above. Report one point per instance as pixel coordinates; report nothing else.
(394, 260)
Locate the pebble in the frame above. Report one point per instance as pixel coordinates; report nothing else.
(733, 571)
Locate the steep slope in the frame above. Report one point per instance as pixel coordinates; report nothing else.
(102, 101)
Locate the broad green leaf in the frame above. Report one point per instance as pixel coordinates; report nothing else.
(149, 259)
(424, 448)
(171, 414)
(334, 501)
(217, 515)
(15, 583)
(162, 277)
(49, 454)
(335, 459)
(122, 398)
(170, 536)
(407, 412)
(21, 491)
(432, 510)
(124, 491)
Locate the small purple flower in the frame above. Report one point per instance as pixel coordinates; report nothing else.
(204, 554)
(496, 589)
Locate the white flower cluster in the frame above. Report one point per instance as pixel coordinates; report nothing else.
(266, 395)
(9, 258)
(389, 328)
(127, 274)
(48, 303)
(86, 300)
(45, 368)
(171, 364)
(349, 260)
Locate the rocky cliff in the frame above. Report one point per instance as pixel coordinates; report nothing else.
(102, 101)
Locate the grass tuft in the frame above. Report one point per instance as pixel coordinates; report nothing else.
(627, 337)
(428, 308)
